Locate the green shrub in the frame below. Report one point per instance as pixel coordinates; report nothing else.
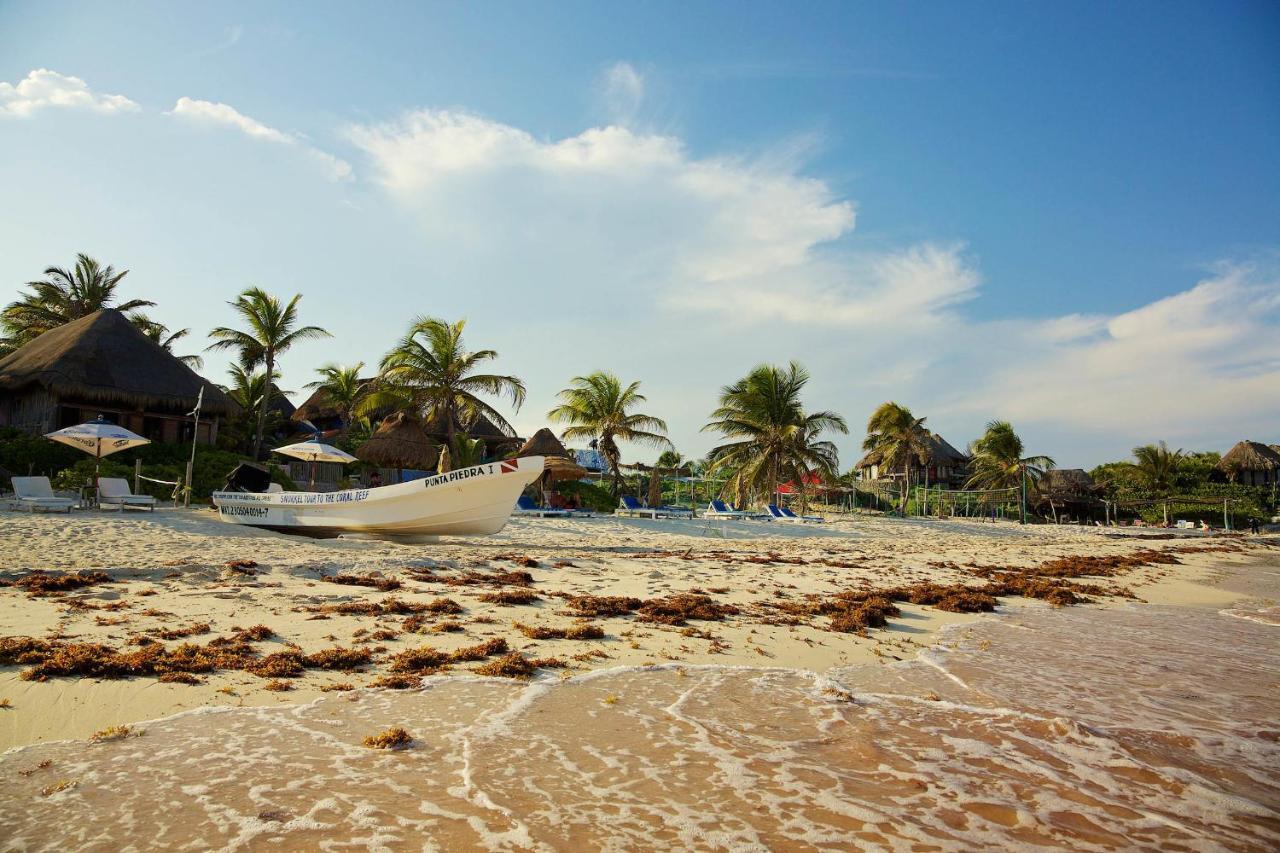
(69, 469)
(593, 497)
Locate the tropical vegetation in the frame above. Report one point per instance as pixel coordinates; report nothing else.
(598, 407)
(771, 438)
(900, 441)
(343, 390)
(62, 296)
(996, 460)
(430, 372)
(271, 328)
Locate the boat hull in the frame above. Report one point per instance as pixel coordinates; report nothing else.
(469, 501)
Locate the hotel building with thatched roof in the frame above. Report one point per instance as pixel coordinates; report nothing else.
(103, 365)
(1251, 463)
(945, 466)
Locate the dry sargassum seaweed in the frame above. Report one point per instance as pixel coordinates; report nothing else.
(393, 738)
(510, 596)
(384, 584)
(581, 631)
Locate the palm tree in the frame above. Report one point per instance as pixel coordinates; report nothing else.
(1157, 467)
(773, 438)
(430, 370)
(598, 407)
(160, 333)
(62, 296)
(252, 393)
(273, 328)
(997, 461)
(900, 439)
(343, 389)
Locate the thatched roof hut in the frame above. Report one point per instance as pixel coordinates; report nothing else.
(944, 461)
(104, 357)
(1251, 463)
(559, 465)
(400, 442)
(543, 443)
(319, 409)
(102, 363)
(1066, 482)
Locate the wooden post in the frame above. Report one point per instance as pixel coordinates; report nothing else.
(186, 499)
(137, 476)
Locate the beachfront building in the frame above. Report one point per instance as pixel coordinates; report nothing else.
(1252, 463)
(1062, 493)
(320, 412)
(945, 467)
(103, 365)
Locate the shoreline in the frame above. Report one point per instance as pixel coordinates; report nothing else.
(74, 708)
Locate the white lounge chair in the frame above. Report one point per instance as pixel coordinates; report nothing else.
(115, 491)
(37, 493)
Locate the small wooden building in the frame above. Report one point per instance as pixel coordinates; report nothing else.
(1251, 463)
(945, 467)
(103, 365)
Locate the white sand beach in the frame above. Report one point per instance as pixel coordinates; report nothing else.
(169, 577)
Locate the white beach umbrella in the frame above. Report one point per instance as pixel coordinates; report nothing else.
(314, 451)
(98, 438)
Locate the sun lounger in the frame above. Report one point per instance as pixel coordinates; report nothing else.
(114, 491)
(36, 493)
(629, 506)
(525, 506)
(719, 509)
(783, 514)
(816, 519)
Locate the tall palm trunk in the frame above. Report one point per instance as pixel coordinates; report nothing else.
(906, 487)
(262, 408)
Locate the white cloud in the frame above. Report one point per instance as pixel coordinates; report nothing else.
(622, 88)
(43, 88)
(638, 204)
(683, 271)
(211, 112)
(1205, 361)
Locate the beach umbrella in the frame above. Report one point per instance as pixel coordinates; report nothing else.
(98, 438)
(445, 463)
(314, 451)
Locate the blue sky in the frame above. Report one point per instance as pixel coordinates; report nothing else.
(1065, 215)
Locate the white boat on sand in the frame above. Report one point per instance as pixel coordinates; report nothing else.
(476, 500)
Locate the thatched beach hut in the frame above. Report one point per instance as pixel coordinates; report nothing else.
(946, 466)
(320, 411)
(400, 442)
(497, 443)
(1251, 463)
(559, 465)
(104, 365)
(1066, 491)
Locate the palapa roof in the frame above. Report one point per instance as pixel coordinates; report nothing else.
(400, 442)
(319, 406)
(560, 465)
(940, 453)
(104, 358)
(481, 427)
(1250, 456)
(1074, 481)
(543, 443)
